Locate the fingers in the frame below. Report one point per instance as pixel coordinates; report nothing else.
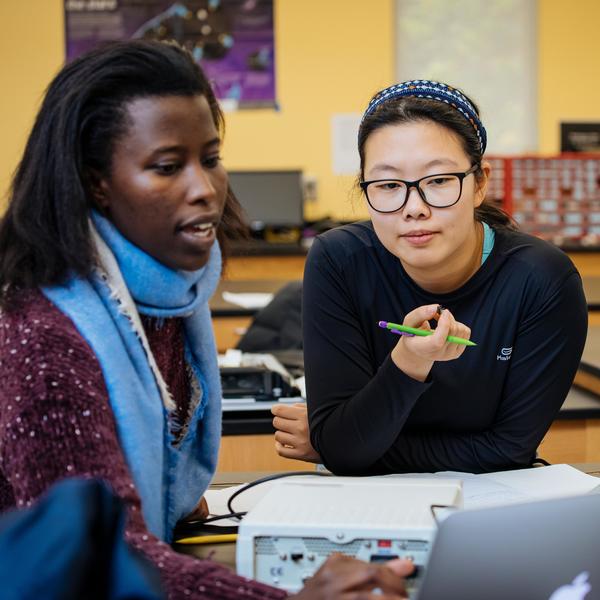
(287, 439)
(296, 447)
(389, 582)
(345, 573)
(351, 579)
(293, 420)
(415, 355)
(290, 425)
(421, 314)
(401, 566)
(287, 451)
(294, 412)
(447, 325)
(292, 435)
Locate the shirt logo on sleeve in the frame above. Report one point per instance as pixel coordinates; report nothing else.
(505, 354)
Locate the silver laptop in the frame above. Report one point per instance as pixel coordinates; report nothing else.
(548, 550)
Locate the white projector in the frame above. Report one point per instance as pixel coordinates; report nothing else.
(299, 522)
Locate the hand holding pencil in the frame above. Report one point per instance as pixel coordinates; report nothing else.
(415, 354)
(412, 331)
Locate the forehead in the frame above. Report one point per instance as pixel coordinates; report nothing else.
(415, 137)
(159, 120)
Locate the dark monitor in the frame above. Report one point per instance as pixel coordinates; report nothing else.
(269, 198)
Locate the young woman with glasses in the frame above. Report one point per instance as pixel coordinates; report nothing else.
(436, 256)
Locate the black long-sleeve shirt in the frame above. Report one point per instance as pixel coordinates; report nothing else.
(485, 411)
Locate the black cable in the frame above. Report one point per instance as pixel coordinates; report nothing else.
(183, 527)
(272, 478)
(232, 515)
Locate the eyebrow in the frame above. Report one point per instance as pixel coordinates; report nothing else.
(384, 167)
(178, 147)
(441, 162)
(213, 142)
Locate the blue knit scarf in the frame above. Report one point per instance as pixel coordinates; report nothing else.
(170, 477)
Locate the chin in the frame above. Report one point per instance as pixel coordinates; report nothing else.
(423, 258)
(193, 265)
(184, 263)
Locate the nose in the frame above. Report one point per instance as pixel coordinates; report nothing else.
(200, 187)
(415, 207)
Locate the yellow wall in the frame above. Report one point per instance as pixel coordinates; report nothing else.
(31, 51)
(569, 53)
(330, 57)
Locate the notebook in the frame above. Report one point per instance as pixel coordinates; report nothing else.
(546, 550)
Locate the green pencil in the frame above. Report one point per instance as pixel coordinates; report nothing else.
(422, 332)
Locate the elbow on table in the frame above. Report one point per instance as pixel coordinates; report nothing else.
(341, 461)
(507, 457)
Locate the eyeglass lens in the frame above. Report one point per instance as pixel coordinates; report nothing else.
(438, 190)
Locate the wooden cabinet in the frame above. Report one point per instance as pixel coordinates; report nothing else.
(264, 267)
(229, 330)
(255, 453)
(571, 441)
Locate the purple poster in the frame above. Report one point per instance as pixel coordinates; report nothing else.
(233, 40)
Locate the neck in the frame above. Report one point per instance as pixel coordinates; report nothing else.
(445, 278)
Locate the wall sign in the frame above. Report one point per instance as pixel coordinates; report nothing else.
(233, 40)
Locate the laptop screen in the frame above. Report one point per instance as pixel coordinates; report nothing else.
(539, 550)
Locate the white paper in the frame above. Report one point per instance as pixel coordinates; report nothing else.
(249, 299)
(547, 482)
(522, 485)
(344, 138)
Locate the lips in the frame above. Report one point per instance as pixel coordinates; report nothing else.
(201, 230)
(199, 233)
(201, 227)
(418, 237)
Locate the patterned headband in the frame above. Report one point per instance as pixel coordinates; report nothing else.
(434, 90)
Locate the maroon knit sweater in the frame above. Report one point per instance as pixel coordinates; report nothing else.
(56, 422)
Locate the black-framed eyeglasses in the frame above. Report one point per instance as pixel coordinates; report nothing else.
(439, 191)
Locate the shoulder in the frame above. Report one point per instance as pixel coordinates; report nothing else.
(356, 235)
(343, 243)
(33, 328)
(534, 257)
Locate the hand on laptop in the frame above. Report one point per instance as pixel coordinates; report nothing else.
(342, 577)
(292, 438)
